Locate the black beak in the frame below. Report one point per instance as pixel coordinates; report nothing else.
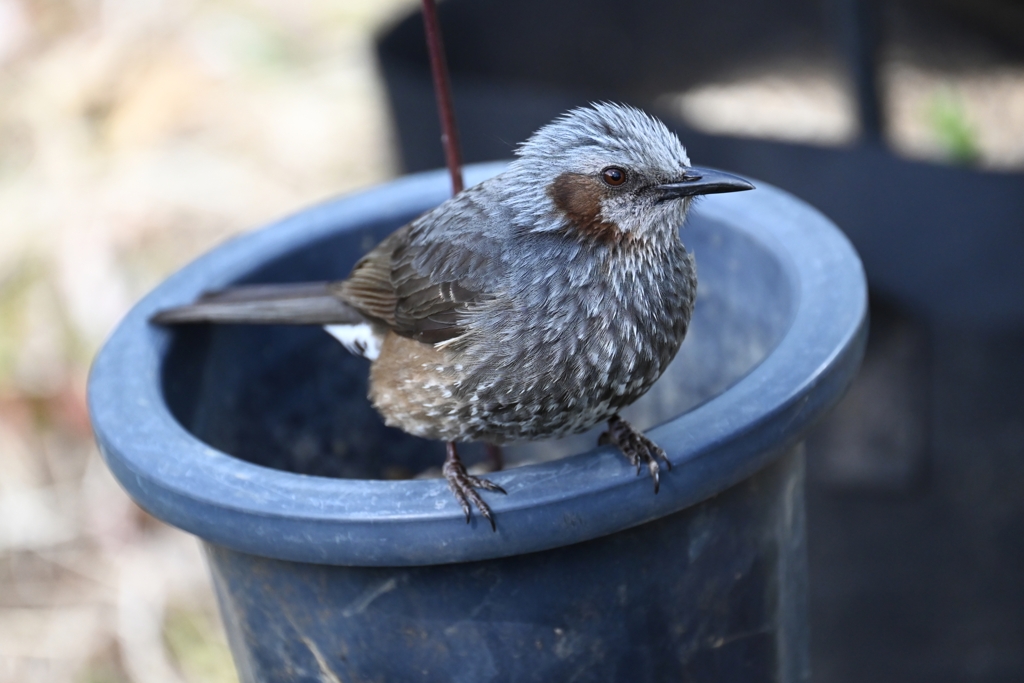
(702, 181)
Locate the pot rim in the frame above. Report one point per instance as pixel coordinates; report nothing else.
(277, 514)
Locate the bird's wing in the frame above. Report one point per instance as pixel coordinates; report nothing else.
(420, 281)
(435, 284)
(368, 288)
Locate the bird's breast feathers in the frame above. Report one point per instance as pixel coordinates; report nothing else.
(555, 354)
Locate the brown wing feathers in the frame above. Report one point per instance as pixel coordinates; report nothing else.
(368, 288)
(416, 287)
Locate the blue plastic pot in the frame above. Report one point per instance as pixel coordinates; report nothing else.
(260, 441)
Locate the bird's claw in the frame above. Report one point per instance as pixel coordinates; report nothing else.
(636, 447)
(463, 486)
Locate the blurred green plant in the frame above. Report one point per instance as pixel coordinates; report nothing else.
(197, 645)
(15, 288)
(948, 120)
(103, 672)
(38, 342)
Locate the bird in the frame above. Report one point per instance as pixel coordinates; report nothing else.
(533, 305)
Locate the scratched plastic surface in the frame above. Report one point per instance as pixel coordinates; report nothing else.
(713, 593)
(331, 564)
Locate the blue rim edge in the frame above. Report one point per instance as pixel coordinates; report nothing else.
(270, 513)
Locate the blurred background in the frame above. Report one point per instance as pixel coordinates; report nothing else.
(134, 135)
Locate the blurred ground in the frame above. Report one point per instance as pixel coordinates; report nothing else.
(134, 135)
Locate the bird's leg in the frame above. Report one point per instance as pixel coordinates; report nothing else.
(635, 446)
(495, 456)
(462, 484)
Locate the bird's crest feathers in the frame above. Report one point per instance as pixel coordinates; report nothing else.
(605, 128)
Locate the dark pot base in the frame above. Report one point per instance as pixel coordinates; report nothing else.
(722, 599)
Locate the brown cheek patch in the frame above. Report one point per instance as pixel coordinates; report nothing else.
(579, 198)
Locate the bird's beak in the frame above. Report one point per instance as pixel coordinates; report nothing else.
(702, 181)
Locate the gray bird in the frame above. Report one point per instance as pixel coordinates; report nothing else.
(533, 305)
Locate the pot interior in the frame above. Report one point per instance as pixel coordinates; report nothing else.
(291, 398)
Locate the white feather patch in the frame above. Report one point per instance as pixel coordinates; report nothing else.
(360, 339)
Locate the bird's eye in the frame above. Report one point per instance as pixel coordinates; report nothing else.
(613, 175)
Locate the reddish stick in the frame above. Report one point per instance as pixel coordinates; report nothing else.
(450, 140)
(443, 89)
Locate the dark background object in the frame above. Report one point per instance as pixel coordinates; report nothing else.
(916, 484)
(916, 225)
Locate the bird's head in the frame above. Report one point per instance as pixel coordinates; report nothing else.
(609, 172)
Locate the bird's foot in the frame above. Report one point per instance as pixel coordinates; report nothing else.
(463, 486)
(635, 446)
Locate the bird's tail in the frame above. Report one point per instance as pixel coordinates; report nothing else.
(282, 304)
